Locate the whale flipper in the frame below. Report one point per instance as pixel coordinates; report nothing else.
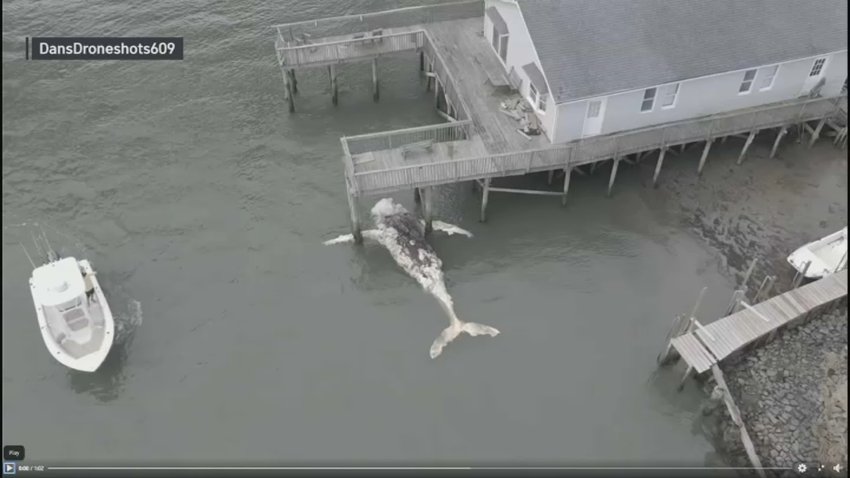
(449, 229)
(345, 238)
(452, 331)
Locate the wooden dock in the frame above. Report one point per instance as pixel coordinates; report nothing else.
(708, 345)
(479, 141)
(703, 347)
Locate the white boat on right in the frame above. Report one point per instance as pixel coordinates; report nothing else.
(821, 257)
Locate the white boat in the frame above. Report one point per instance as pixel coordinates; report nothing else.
(824, 256)
(78, 331)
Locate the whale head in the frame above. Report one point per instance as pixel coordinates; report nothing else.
(386, 207)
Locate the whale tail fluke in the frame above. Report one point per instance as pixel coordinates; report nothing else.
(475, 330)
(452, 331)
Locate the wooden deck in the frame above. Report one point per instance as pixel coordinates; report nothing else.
(589, 150)
(414, 155)
(349, 48)
(468, 54)
(714, 342)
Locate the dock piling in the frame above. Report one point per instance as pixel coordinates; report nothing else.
(816, 133)
(484, 196)
(800, 276)
(355, 216)
(567, 172)
(658, 164)
(747, 144)
(688, 373)
(698, 302)
(782, 132)
(613, 175)
(704, 156)
(744, 286)
(669, 354)
(427, 209)
(334, 89)
(285, 84)
(429, 74)
(764, 289)
(375, 92)
(737, 297)
(290, 89)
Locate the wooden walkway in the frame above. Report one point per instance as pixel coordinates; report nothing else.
(466, 52)
(710, 344)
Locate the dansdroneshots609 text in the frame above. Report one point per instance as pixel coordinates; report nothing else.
(107, 48)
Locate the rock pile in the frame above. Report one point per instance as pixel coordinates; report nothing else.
(792, 394)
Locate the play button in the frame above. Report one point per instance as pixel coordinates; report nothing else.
(9, 468)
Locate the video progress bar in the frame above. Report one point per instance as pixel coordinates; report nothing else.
(212, 471)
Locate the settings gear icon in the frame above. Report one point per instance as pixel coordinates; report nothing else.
(801, 468)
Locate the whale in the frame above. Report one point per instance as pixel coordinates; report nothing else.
(403, 235)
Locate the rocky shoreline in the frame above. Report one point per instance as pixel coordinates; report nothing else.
(792, 392)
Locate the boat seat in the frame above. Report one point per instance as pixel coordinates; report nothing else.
(78, 325)
(75, 319)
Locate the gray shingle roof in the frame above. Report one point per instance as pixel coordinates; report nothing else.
(593, 47)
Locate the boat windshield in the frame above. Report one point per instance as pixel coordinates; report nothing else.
(71, 304)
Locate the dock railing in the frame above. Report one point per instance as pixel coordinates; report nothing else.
(331, 52)
(289, 34)
(439, 133)
(589, 150)
(444, 76)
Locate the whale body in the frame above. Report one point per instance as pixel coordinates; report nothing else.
(403, 235)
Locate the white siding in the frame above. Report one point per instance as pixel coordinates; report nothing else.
(702, 96)
(570, 121)
(520, 52)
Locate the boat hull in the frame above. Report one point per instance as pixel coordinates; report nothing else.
(104, 333)
(821, 257)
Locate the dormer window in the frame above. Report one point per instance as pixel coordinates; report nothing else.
(538, 92)
(537, 100)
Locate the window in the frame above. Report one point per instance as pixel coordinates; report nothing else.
(747, 84)
(593, 109)
(500, 44)
(767, 76)
(537, 100)
(541, 103)
(668, 95)
(817, 67)
(503, 47)
(648, 100)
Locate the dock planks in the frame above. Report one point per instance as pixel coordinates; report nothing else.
(718, 340)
